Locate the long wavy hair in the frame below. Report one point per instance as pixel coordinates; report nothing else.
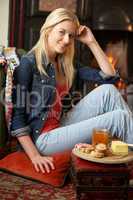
(40, 48)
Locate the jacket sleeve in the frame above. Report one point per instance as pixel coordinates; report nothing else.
(22, 83)
(90, 74)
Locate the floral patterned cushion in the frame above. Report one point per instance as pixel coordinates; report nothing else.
(12, 61)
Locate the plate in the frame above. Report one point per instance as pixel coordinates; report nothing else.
(112, 159)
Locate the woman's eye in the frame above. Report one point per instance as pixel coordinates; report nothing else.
(61, 32)
(71, 36)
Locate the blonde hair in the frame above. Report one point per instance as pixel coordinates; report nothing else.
(40, 49)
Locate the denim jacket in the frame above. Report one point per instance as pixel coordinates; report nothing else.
(34, 93)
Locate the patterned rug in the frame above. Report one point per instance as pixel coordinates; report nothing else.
(17, 188)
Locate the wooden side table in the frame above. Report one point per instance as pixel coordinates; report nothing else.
(95, 177)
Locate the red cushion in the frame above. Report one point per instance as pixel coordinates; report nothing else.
(18, 163)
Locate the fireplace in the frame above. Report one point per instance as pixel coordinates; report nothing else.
(118, 46)
(112, 22)
(112, 25)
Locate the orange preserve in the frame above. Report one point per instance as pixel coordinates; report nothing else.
(100, 136)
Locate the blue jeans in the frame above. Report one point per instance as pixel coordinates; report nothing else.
(103, 108)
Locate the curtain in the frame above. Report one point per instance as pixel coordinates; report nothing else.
(3, 127)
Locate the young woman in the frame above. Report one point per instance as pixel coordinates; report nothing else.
(43, 78)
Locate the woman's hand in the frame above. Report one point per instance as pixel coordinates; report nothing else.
(2, 61)
(85, 35)
(43, 163)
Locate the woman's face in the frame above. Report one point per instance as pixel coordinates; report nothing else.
(61, 36)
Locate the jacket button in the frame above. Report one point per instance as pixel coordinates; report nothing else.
(43, 118)
(42, 81)
(53, 76)
(37, 131)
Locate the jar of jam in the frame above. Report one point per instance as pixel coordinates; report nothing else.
(100, 136)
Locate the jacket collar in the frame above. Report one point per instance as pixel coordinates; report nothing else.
(46, 63)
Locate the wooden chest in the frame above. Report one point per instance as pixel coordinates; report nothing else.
(95, 177)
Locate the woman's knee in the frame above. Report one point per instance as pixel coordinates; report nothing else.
(108, 88)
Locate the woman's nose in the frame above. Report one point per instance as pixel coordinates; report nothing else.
(66, 39)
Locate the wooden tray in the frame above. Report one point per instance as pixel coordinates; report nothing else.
(112, 159)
